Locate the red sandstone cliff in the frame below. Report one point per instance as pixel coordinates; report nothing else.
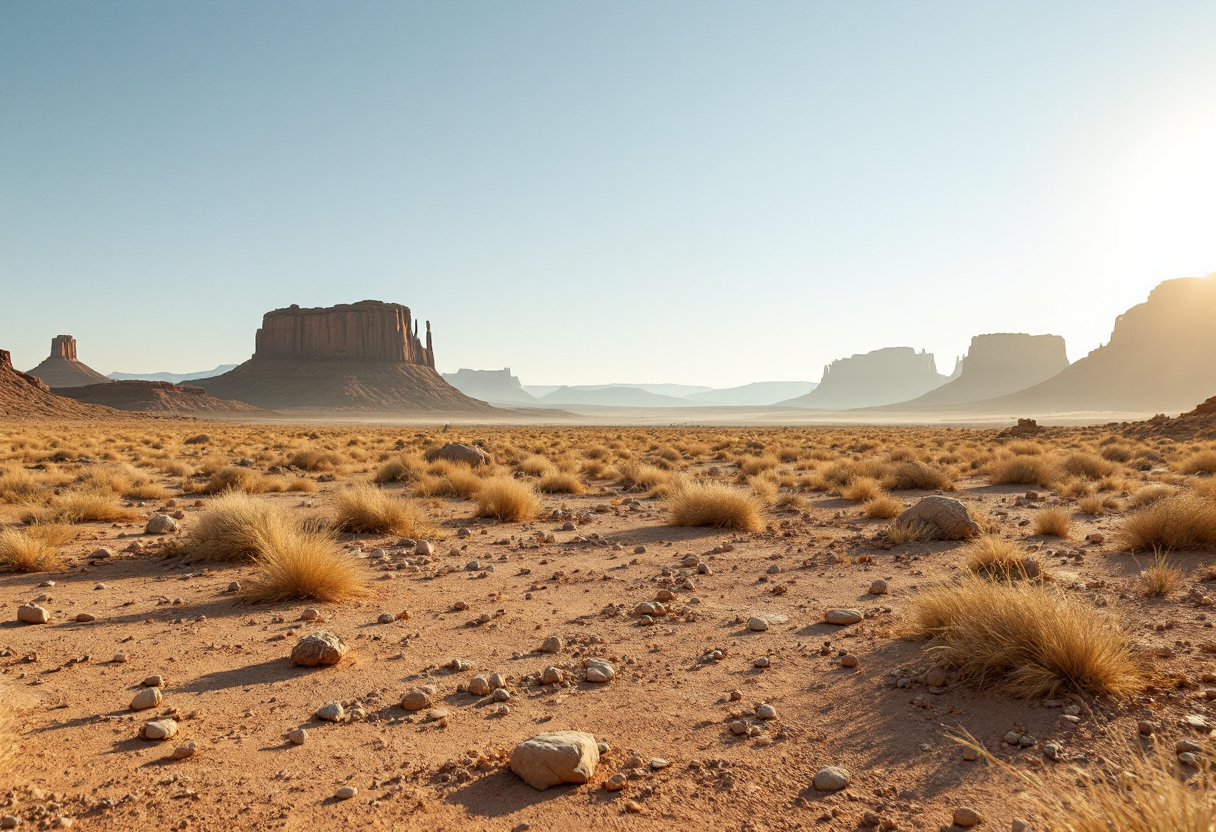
(25, 395)
(63, 369)
(154, 396)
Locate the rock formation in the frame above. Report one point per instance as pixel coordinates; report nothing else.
(1161, 358)
(26, 395)
(361, 356)
(153, 396)
(886, 376)
(994, 366)
(63, 369)
(493, 386)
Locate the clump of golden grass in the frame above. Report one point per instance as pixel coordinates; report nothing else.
(996, 558)
(1091, 506)
(365, 508)
(883, 506)
(861, 488)
(640, 473)
(1152, 493)
(19, 486)
(1023, 470)
(1200, 462)
(402, 469)
(80, 506)
(1088, 466)
(295, 562)
(559, 483)
(1142, 790)
(311, 459)
(1027, 640)
(25, 552)
(753, 465)
(536, 466)
(716, 504)
(229, 529)
(235, 478)
(904, 476)
(1056, 522)
(507, 499)
(1181, 520)
(1162, 577)
(916, 531)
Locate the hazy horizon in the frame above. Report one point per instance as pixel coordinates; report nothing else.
(708, 194)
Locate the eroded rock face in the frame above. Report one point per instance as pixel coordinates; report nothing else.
(552, 759)
(369, 329)
(493, 386)
(63, 369)
(998, 364)
(949, 518)
(886, 376)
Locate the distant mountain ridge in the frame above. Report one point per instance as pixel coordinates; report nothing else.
(172, 378)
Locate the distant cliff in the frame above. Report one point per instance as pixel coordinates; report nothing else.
(996, 365)
(886, 376)
(63, 369)
(493, 386)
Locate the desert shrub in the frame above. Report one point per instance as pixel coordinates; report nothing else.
(311, 459)
(904, 476)
(1117, 453)
(861, 488)
(1027, 640)
(1151, 494)
(788, 453)
(401, 469)
(1088, 466)
(507, 499)
(883, 506)
(1025, 448)
(80, 506)
(174, 468)
(19, 486)
(995, 558)
(1091, 506)
(765, 490)
(1181, 520)
(293, 562)
(916, 531)
(1056, 522)
(302, 485)
(235, 478)
(753, 465)
(365, 508)
(536, 466)
(557, 483)
(717, 505)
(639, 473)
(1075, 489)
(198, 439)
(25, 552)
(1162, 577)
(230, 527)
(1023, 470)
(1200, 462)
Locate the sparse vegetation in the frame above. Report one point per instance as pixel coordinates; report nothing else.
(1179, 520)
(22, 551)
(365, 508)
(716, 504)
(1055, 522)
(507, 499)
(995, 558)
(298, 563)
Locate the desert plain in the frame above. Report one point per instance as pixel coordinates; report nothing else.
(1011, 677)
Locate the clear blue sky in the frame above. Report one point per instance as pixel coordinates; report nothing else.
(702, 192)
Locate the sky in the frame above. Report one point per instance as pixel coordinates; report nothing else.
(698, 192)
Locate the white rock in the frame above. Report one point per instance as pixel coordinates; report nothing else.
(842, 616)
(145, 699)
(159, 729)
(33, 614)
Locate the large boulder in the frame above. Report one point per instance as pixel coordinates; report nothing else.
(319, 649)
(947, 517)
(456, 452)
(552, 759)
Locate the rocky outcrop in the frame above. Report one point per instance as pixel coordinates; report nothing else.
(23, 395)
(886, 376)
(364, 356)
(63, 369)
(1161, 358)
(946, 518)
(493, 386)
(996, 365)
(154, 396)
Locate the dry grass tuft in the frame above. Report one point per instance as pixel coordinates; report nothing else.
(1027, 640)
(19, 486)
(995, 558)
(718, 505)
(639, 473)
(1200, 462)
(1056, 522)
(917, 531)
(859, 489)
(1091, 506)
(558, 483)
(80, 506)
(507, 499)
(1161, 578)
(231, 526)
(905, 476)
(1023, 470)
(883, 507)
(402, 469)
(298, 563)
(22, 551)
(364, 508)
(235, 479)
(1181, 520)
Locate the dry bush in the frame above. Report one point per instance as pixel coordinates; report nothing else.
(1117, 453)
(861, 488)
(174, 468)
(1027, 640)
(718, 505)
(883, 507)
(310, 459)
(507, 499)
(19, 486)
(402, 469)
(365, 508)
(1088, 466)
(25, 552)
(788, 453)
(1152, 493)
(995, 558)
(905, 476)
(1161, 578)
(1182, 520)
(917, 531)
(1023, 470)
(557, 483)
(302, 485)
(233, 478)
(230, 527)
(639, 473)
(1200, 462)
(1025, 448)
(80, 506)
(294, 562)
(765, 490)
(1075, 489)
(1091, 506)
(1056, 522)
(751, 466)
(536, 466)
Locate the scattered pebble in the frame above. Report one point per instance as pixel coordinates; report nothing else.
(346, 793)
(298, 737)
(965, 816)
(842, 616)
(830, 779)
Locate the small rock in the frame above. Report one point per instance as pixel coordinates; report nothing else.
(234, 587)
(757, 625)
(1189, 758)
(830, 779)
(478, 686)
(184, 752)
(386, 618)
(119, 658)
(551, 676)
(416, 699)
(501, 695)
(85, 617)
(760, 661)
(310, 614)
(879, 587)
(346, 793)
(436, 714)
(1051, 751)
(599, 671)
(842, 616)
(965, 816)
(145, 699)
(936, 677)
(848, 660)
(159, 729)
(102, 554)
(615, 783)
(33, 614)
(319, 649)
(1182, 746)
(1145, 728)
(553, 644)
(1197, 721)
(298, 737)
(333, 712)
(738, 727)
(424, 548)
(766, 711)
(658, 763)
(153, 681)
(1026, 741)
(9, 822)
(970, 754)
(160, 524)
(639, 550)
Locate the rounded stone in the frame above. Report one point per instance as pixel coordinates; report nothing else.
(965, 817)
(552, 759)
(478, 686)
(766, 711)
(186, 751)
(153, 681)
(298, 737)
(386, 618)
(145, 699)
(756, 624)
(333, 712)
(319, 649)
(346, 793)
(160, 729)
(553, 644)
(416, 699)
(848, 660)
(33, 614)
(830, 779)
(160, 524)
(879, 587)
(842, 616)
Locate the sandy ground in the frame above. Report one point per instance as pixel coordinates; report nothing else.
(236, 695)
